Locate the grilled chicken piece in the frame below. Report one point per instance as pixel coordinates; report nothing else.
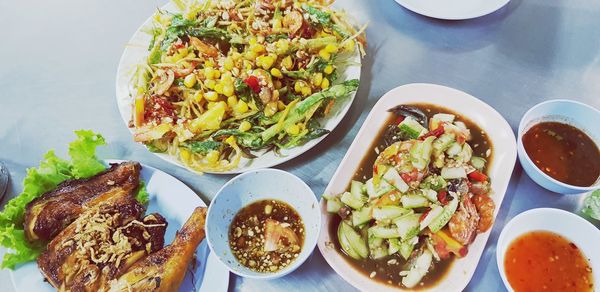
(47, 215)
(101, 244)
(165, 269)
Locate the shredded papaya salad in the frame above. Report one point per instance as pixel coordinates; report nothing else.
(230, 79)
(427, 200)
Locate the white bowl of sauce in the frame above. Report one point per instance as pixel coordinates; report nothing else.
(558, 146)
(549, 249)
(263, 224)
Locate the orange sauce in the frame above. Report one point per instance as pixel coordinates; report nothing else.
(546, 261)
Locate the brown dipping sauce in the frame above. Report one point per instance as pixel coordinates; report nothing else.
(563, 152)
(546, 261)
(387, 269)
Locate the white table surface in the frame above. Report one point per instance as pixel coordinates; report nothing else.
(58, 61)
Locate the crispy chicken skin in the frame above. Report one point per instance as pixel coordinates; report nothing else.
(101, 244)
(165, 269)
(47, 215)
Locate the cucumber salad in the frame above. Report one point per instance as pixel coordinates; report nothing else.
(426, 201)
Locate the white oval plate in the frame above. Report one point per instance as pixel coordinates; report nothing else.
(453, 9)
(173, 200)
(581, 232)
(504, 156)
(136, 52)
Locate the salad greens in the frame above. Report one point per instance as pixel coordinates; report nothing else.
(52, 171)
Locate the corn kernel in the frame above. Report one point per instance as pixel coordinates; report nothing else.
(275, 95)
(277, 84)
(245, 126)
(270, 108)
(280, 105)
(216, 74)
(198, 96)
(252, 41)
(219, 88)
(241, 107)
(228, 64)
(324, 55)
(293, 130)
(189, 81)
(306, 91)
(277, 24)
(209, 63)
(228, 89)
(349, 45)
(317, 78)
(298, 86)
(287, 63)
(185, 154)
(230, 140)
(258, 48)
(331, 48)
(213, 156)
(211, 96)
(210, 84)
(227, 77)
(209, 72)
(276, 73)
(325, 83)
(266, 61)
(232, 101)
(283, 45)
(328, 69)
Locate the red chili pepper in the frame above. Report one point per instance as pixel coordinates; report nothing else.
(399, 119)
(253, 83)
(424, 215)
(478, 176)
(442, 196)
(437, 132)
(406, 177)
(462, 252)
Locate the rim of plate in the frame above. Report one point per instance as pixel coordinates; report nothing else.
(408, 4)
(510, 159)
(124, 101)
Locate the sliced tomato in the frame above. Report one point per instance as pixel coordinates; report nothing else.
(442, 196)
(253, 82)
(399, 119)
(478, 176)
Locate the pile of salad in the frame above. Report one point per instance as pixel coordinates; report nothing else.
(225, 79)
(427, 200)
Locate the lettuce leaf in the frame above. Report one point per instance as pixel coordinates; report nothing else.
(591, 205)
(50, 173)
(142, 194)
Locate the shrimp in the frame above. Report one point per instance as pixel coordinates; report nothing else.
(463, 223)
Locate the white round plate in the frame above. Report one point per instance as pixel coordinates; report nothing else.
(453, 9)
(136, 52)
(173, 200)
(500, 169)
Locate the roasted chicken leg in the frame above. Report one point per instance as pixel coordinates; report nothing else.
(165, 269)
(47, 215)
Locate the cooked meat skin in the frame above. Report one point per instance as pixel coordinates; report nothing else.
(74, 261)
(47, 215)
(165, 269)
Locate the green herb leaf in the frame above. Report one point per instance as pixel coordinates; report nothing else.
(142, 194)
(203, 147)
(83, 154)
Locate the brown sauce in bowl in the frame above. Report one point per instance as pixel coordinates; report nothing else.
(563, 152)
(546, 261)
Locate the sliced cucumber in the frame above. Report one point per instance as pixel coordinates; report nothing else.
(412, 128)
(454, 149)
(377, 246)
(430, 194)
(418, 270)
(478, 162)
(386, 214)
(361, 216)
(441, 220)
(334, 205)
(453, 172)
(443, 142)
(357, 189)
(355, 243)
(377, 191)
(434, 182)
(385, 231)
(350, 200)
(394, 246)
(444, 117)
(466, 153)
(408, 225)
(411, 201)
(433, 213)
(392, 177)
(407, 247)
(420, 153)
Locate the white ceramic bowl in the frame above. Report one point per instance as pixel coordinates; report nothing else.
(499, 170)
(577, 114)
(579, 231)
(257, 185)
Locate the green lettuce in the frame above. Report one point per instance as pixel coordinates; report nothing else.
(591, 205)
(51, 172)
(142, 194)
